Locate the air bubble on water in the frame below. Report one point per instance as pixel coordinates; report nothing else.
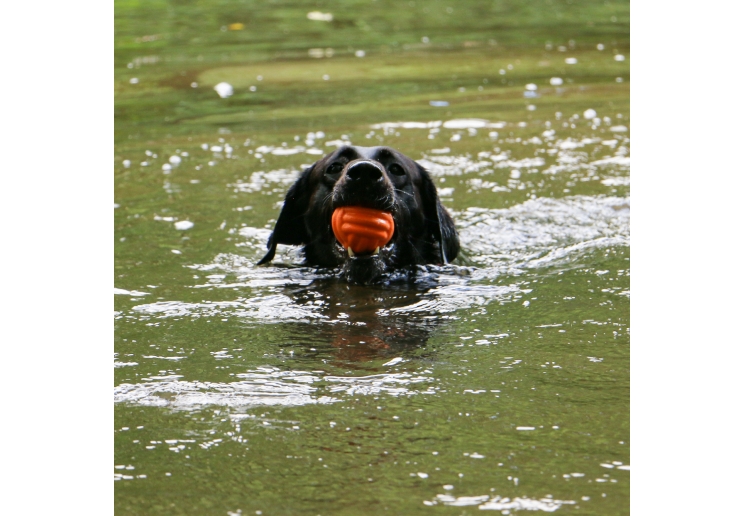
(326, 77)
(531, 87)
(224, 90)
(619, 57)
(424, 39)
(205, 146)
(618, 79)
(175, 160)
(600, 46)
(166, 168)
(183, 225)
(589, 114)
(194, 84)
(571, 60)
(259, 77)
(126, 163)
(360, 53)
(556, 81)
(133, 80)
(493, 135)
(531, 107)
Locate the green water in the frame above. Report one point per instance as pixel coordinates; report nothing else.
(500, 382)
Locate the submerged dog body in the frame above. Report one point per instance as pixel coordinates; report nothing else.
(378, 178)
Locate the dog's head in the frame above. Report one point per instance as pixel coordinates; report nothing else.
(380, 178)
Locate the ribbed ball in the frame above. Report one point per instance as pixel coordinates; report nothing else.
(362, 229)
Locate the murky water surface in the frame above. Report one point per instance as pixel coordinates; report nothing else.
(499, 382)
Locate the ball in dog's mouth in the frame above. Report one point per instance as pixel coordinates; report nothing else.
(362, 231)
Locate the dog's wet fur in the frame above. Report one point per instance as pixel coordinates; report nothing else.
(373, 177)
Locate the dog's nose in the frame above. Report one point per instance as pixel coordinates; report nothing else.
(364, 171)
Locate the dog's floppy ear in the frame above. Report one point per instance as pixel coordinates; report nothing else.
(290, 227)
(439, 223)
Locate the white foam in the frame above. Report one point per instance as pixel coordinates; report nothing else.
(183, 225)
(224, 89)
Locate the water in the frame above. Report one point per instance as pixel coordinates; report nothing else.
(498, 382)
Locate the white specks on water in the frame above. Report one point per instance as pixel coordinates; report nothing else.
(571, 60)
(319, 16)
(194, 84)
(126, 163)
(326, 77)
(456, 137)
(167, 168)
(619, 129)
(175, 160)
(556, 81)
(600, 46)
(395, 361)
(526, 303)
(498, 503)
(175, 251)
(224, 89)
(515, 174)
(134, 80)
(531, 107)
(619, 57)
(252, 88)
(133, 293)
(525, 428)
(438, 103)
(590, 114)
(422, 475)
(360, 53)
(183, 225)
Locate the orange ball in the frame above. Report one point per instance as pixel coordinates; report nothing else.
(362, 229)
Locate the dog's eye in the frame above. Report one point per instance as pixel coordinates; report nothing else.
(335, 169)
(396, 170)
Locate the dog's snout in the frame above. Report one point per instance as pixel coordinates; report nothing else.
(364, 171)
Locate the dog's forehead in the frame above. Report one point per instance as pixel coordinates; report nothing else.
(371, 153)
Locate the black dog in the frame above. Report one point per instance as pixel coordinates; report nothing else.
(373, 177)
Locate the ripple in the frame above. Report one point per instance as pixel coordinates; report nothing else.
(497, 503)
(542, 231)
(269, 386)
